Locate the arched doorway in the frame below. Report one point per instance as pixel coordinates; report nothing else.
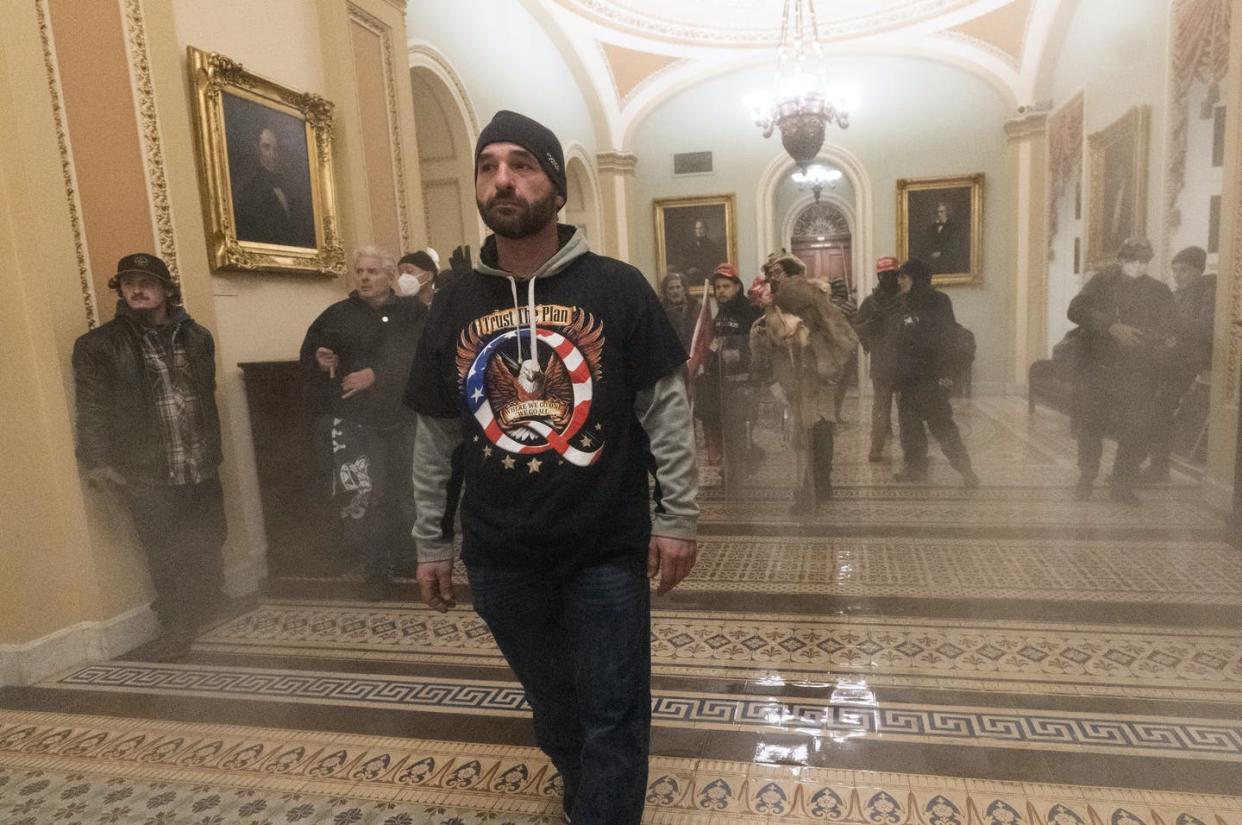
(823, 239)
(445, 138)
(581, 201)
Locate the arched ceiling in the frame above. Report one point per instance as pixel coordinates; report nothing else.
(751, 23)
(636, 54)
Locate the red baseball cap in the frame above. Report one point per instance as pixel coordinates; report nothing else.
(886, 264)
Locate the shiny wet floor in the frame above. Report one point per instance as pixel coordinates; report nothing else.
(917, 654)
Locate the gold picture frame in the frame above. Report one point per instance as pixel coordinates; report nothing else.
(1117, 169)
(265, 171)
(678, 249)
(952, 246)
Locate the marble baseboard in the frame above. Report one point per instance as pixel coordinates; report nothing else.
(242, 578)
(78, 644)
(1217, 494)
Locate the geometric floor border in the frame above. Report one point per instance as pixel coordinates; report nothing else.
(846, 711)
(1136, 662)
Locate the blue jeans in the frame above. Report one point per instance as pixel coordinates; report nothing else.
(580, 644)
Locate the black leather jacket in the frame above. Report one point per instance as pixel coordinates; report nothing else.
(118, 425)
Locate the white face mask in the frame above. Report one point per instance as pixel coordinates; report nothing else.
(410, 284)
(1133, 269)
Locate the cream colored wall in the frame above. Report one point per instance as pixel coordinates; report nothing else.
(1227, 354)
(71, 548)
(65, 551)
(1117, 52)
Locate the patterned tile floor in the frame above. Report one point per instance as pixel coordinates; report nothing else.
(1103, 660)
(55, 769)
(918, 655)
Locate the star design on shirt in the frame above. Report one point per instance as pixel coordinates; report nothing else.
(586, 441)
(599, 427)
(508, 462)
(476, 439)
(487, 451)
(477, 394)
(533, 465)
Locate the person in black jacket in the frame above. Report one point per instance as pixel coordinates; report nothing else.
(681, 307)
(918, 331)
(1126, 318)
(356, 358)
(721, 394)
(869, 324)
(1195, 295)
(148, 426)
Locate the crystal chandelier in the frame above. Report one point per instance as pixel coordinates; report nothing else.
(816, 178)
(801, 103)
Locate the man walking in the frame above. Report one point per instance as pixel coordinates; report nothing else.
(560, 370)
(356, 360)
(1195, 296)
(1126, 318)
(148, 426)
(869, 323)
(921, 329)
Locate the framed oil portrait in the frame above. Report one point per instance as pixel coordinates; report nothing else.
(941, 221)
(1117, 185)
(265, 163)
(694, 235)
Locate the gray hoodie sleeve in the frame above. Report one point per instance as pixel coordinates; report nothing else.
(664, 413)
(434, 443)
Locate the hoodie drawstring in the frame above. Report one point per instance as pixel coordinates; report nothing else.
(530, 309)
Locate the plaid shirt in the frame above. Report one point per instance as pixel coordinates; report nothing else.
(176, 404)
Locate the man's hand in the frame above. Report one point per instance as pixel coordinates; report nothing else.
(672, 558)
(327, 360)
(356, 382)
(102, 477)
(435, 584)
(1125, 334)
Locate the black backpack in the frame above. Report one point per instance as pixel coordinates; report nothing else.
(959, 352)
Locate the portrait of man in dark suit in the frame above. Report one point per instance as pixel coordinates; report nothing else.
(940, 227)
(270, 175)
(697, 235)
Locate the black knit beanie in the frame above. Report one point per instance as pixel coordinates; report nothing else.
(419, 259)
(531, 135)
(1195, 256)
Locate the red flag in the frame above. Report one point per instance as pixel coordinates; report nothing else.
(701, 341)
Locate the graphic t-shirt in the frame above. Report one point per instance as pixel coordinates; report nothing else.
(555, 458)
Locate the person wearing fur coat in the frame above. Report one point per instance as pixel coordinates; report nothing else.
(809, 342)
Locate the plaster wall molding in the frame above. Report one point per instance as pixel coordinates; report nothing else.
(396, 154)
(616, 163)
(149, 133)
(68, 172)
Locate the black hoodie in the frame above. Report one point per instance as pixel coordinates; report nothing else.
(555, 457)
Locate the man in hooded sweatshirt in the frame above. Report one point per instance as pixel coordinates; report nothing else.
(919, 331)
(559, 369)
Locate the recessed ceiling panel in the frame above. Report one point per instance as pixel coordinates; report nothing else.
(752, 22)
